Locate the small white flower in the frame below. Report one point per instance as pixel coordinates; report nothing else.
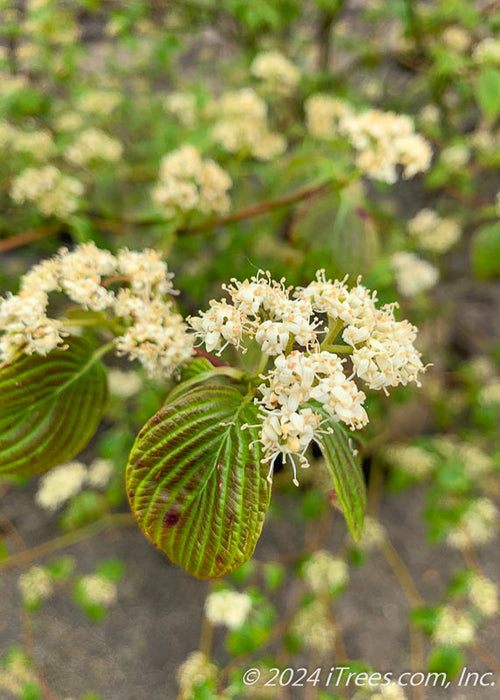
(35, 585)
(227, 608)
(98, 590)
(413, 275)
(454, 627)
(483, 595)
(322, 572)
(60, 484)
(99, 473)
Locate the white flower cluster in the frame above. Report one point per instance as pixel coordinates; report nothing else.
(52, 192)
(241, 126)
(381, 691)
(474, 460)
(68, 121)
(188, 183)
(483, 594)
(487, 51)
(93, 145)
(323, 572)
(195, 669)
(124, 383)
(277, 72)
(35, 585)
(228, 608)
(312, 624)
(181, 105)
(98, 590)
(477, 526)
(17, 674)
(454, 627)
(285, 327)
(324, 115)
(65, 481)
(385, 140)
(391, 691)
(10, 84)
(429, 114)
(413, 460)
(373, 535)
(489, 395)
(155, 334)
(456, 38)
(101, 102)
(455, 157)
(37, 144)
(412, 274)
(434, 232)
(61, 29)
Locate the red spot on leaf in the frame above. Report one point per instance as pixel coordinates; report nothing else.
(171, 517)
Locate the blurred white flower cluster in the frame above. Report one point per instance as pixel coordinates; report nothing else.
(382, 140)
(181, 105)
(35, 585)
(188, 183)
(228, 608)
(196, 669)
(313, 625)
(65, 481)
(153, 332)
(276, 71)
(37, 144)
(307, 366)
(323, 572)
(412, 459)
(98, 590)
(100, 102)
(477, 525)
(385, 140)
(483, 594)
(241, 126)
(324, 114)
(17, 674)
(46, 18)
(52, 192)
(93, 145)
(487, 51)
(412, 274)
(434, 232)
(454, 627)
(475, 461)
(10, 84)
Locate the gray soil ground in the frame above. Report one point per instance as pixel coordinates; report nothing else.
(134, 653)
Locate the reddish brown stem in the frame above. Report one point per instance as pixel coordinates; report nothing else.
(26, 237)
(257, 209)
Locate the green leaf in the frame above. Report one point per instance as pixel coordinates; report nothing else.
(112, 569)
(51, 406)
(347, 475)
(336, 225)
(486, 251)
(61, 568)
(424, 617)
(196, 486)
(446, 659)
(488, 92)
(85, 507)
(199, 365)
